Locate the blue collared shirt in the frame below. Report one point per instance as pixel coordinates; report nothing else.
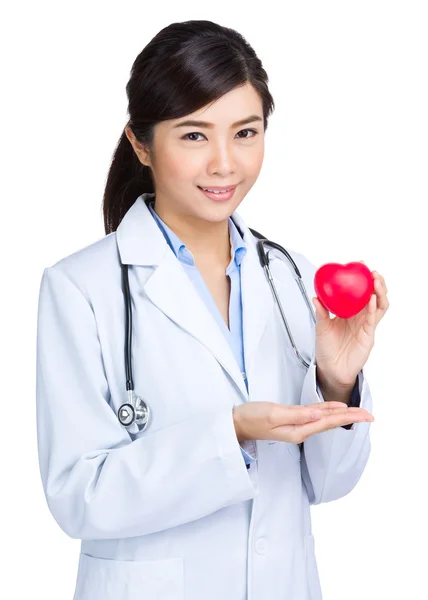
(234, 334)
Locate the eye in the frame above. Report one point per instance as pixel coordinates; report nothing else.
(185, 137)
(252, 130)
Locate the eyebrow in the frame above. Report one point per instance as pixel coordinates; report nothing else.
(245, 121)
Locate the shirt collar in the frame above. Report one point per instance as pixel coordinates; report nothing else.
(238, 246)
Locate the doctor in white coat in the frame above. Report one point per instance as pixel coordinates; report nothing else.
(213, 499)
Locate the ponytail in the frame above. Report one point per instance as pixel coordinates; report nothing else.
(127, 179)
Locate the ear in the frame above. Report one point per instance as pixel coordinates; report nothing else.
(140, 150)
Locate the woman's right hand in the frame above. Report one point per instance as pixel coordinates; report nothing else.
(292, 423)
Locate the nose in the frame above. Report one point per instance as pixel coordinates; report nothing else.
(222, 159)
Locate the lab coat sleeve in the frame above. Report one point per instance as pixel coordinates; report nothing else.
(98, 482)
(334, 460)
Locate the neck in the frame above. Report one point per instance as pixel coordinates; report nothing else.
(208, 242)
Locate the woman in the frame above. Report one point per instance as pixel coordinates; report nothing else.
(212, 499)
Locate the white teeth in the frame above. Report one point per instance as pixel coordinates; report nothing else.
(217, 191)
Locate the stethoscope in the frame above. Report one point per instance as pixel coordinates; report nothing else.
(136, 413)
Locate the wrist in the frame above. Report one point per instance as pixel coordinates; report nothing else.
(236, 424)
(334, 391)
(332, 384)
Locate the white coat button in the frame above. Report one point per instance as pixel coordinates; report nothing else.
(261, 546)
(244, 375)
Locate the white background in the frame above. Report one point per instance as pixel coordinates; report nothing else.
(344, 178)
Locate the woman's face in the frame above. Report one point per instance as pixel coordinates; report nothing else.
(220, 154)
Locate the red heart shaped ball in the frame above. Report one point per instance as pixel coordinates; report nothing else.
(344, 290)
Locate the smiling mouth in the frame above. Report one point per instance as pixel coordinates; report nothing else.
(217, 189)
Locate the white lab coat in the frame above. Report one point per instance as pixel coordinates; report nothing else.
(162, 514)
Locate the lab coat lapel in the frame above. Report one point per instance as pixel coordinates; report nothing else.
(257, 298)
(141, 242)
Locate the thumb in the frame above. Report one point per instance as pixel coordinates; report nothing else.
(321, 312)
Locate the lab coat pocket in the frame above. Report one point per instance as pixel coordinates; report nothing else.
(109, 579)
(312, 574)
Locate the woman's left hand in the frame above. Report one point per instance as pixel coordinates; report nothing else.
(342, 346)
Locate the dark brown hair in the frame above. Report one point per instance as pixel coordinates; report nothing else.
(183, 68)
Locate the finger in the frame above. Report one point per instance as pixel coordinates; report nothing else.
(358, 410)
(369, 325)
(327, 404)
(331, 407)
(347, 413)
(282, 415)
(319, 405)
(334, 404)
(350, 410)
(321, 313)
(382, 300)
(328, 422)
(378, 276)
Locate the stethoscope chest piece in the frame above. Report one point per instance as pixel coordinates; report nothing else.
(134, 414)
(126, 415)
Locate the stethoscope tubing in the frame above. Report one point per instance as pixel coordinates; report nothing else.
(143, 409)
(264, 260)
(128, 328)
